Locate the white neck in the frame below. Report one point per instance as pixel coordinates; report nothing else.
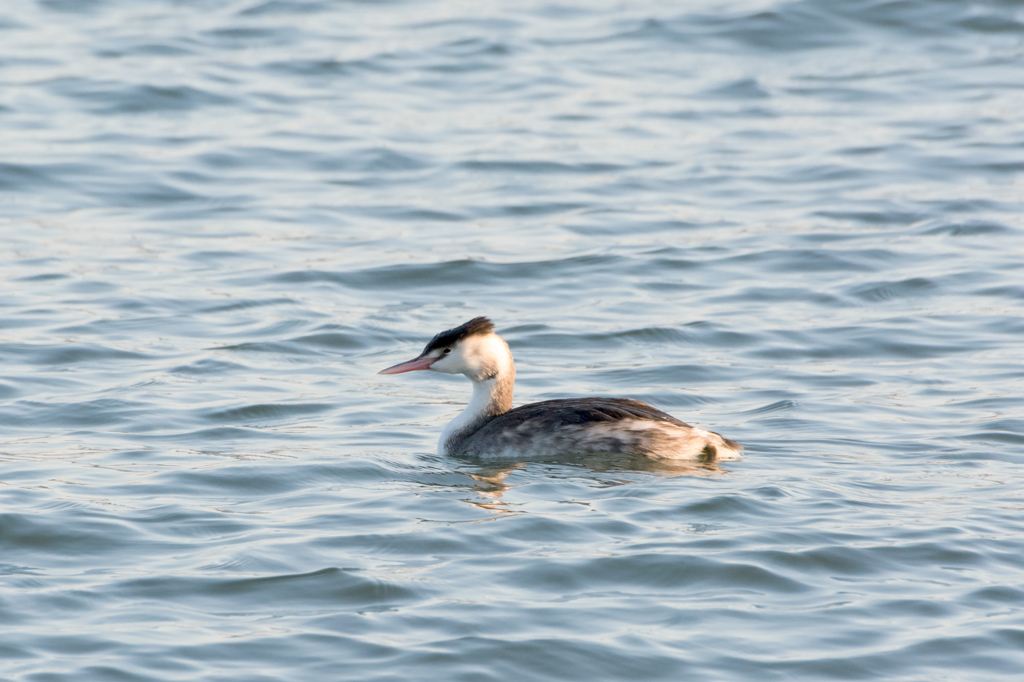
(476, 411)
(492, 395)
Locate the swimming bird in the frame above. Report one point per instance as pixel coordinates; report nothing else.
(490, 427)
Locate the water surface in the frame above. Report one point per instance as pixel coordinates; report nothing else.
(796, 223)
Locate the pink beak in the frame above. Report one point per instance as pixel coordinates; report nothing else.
(410, 366)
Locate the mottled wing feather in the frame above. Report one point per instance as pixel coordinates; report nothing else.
(551, 414)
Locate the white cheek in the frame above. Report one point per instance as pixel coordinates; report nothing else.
(469, 361)
(445, 364)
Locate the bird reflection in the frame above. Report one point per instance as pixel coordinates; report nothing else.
(490, 484)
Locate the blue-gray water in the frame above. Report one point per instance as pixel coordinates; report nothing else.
(798, 223)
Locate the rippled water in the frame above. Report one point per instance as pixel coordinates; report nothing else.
(797, 223)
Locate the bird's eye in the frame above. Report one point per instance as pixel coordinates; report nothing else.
(446, 351)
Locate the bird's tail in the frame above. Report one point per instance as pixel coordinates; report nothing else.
(721, 449)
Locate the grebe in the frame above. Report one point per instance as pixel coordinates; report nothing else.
(489, 428)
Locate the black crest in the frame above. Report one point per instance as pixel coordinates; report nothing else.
(447, 339)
